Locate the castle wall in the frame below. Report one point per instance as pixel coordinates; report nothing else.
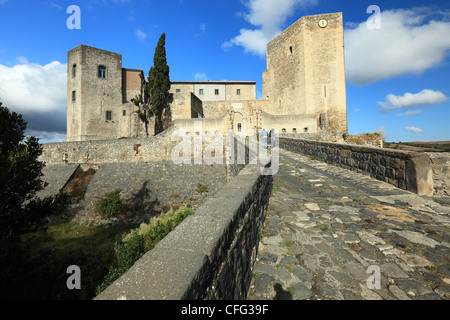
(132, 81)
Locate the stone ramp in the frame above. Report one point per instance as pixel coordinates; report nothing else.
(56, 175)
(328, 229)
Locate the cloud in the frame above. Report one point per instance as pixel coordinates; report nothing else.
(268, 17)
(357, 110)
(55, 5)
(38, 92)
(414, 129)
(409, 100)
(203, 27)
(410, 113)
(141, 35)
(406, 44)
(200, 77)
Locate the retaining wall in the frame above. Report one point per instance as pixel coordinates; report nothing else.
(210, 254)
(406, 170)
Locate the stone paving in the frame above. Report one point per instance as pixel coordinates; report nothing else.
(330, 232)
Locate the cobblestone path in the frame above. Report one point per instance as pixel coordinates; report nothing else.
(329, 231)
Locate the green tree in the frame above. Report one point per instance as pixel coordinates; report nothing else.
(159, 84)
(142, 100)
(20, 177)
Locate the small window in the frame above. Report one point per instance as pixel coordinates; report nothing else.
(239, 127)
(178, 90)
(216, 92)
(124, 112)
(283, 130)
(74, 96)
(108, 115)
(101, 71)
(238, 92)
(200, 92)
(305, 129)
(294, 130)
(74, 71)
(290, 49)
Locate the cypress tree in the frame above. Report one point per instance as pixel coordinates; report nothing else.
(159, 83)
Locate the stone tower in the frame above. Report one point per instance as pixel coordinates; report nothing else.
(306, 71)
(98, 94)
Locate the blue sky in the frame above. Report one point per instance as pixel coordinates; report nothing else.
(397, 75)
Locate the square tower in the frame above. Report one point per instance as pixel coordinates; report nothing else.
(306, 71)
(94, 93)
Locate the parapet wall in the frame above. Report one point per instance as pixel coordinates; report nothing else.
(406, 170)
(440, 163)
(210, 255)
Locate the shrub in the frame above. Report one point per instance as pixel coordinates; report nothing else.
(110, 205)
(135, 243)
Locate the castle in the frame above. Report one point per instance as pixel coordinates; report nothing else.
(303, 90)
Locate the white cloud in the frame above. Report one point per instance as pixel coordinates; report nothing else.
(410, 113)
(22, 60)
(268, 17)
(141, 35)
(200, 77)
(414, 129)
(203, 27)
(405, 44)
(31, 88)
(409, 100)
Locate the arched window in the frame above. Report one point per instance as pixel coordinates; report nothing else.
(101, 71)
(74, 70)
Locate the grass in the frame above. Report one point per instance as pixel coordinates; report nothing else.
(137, 242)
(36, 267)
(77, 185)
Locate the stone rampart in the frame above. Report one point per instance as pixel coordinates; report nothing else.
(210, 254)
(406, 170)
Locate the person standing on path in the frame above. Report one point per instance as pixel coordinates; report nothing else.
(264, 135)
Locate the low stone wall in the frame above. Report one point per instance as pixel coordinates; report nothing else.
(210, 254)
(156, 148)
(440, 163)
(406, 170)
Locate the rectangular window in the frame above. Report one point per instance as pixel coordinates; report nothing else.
(200, 92)
(74, 95)
(238, 92)
(216, 92)
(124, 112)
(239, 127)
(178, 90)
(101, 71)
(74, 71)
(108, 115)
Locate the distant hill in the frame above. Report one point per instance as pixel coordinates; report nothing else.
(420, 146)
